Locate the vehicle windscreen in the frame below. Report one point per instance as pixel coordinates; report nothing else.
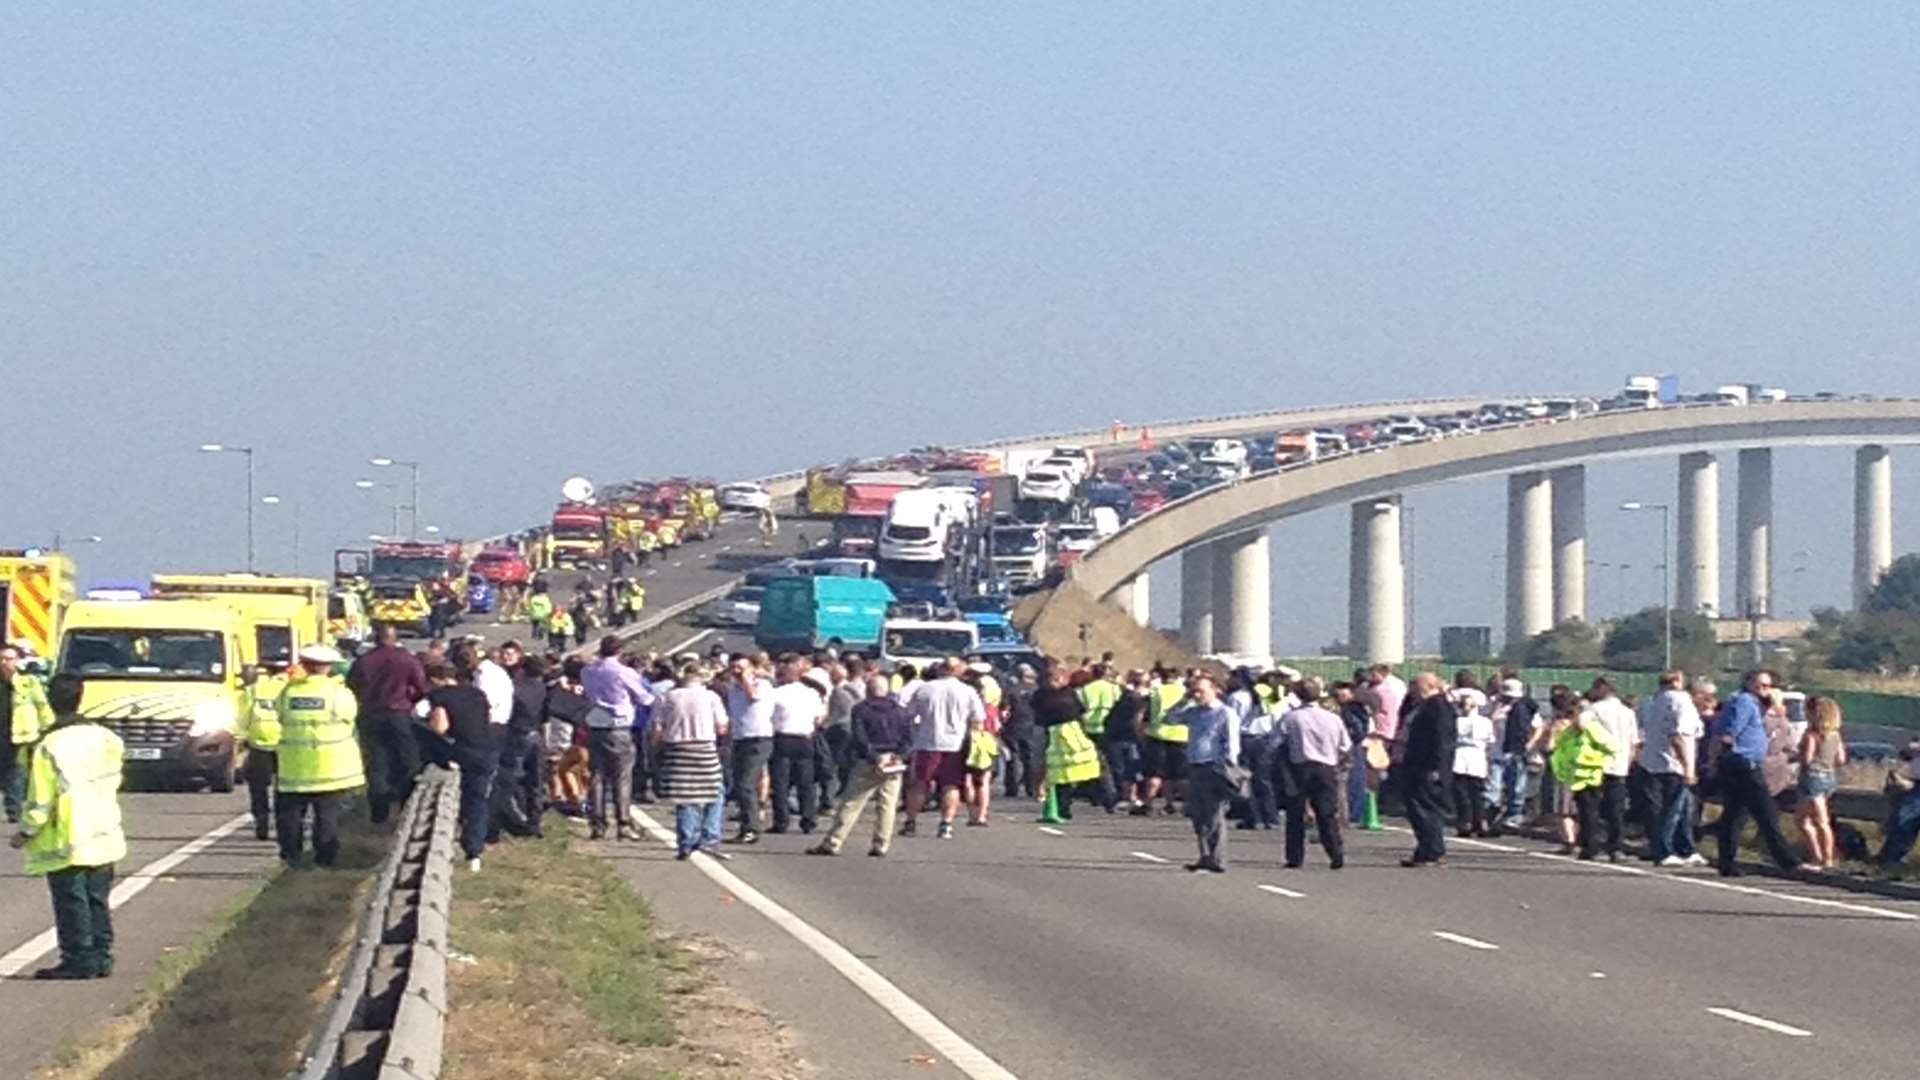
(1078, 532)
(928, 641)
(1043, 476)
(997, 632)
(185, 655)
(909, 532)
(577, 532)
(275, 644)
(412, 567)
(336, 607)
(1016, 542)
(394, 592)
(747, 594)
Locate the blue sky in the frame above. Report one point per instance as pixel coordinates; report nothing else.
(520, 243)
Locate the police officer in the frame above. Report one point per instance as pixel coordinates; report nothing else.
(263, 745)
(70, 829)
(23, 716)
(319, 756)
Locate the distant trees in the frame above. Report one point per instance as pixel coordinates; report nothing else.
(1571, 644)
(1637, 642)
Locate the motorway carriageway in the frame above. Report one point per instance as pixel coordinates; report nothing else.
(1086, 952)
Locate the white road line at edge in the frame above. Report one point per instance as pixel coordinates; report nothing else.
(913, 1016)
(128, 887)
(1708, 883)
(690, 642)
(1147, 856)
(1278, 891)
(1051, 831)
(1760, 1022)
(1462, 939)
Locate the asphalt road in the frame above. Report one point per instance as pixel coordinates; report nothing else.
(168, 911)
(1092, 954)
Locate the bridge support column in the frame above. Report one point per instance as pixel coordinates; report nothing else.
(1196, 598)
(1755, 520)
(1242, 572)
(1872, 519)
(1529, 555)
(1132, 597)
(1569, 543)
(1376, 583)
(1698, 536)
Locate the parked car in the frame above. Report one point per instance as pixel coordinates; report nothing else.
(750, 498)
(739, 609)
(502, 566)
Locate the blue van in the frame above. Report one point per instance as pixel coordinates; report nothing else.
(801, 614)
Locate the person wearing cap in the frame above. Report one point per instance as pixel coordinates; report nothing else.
(319, 756)
(1516, 718)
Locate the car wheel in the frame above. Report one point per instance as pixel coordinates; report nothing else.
(221, 780)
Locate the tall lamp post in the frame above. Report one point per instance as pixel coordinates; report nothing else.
(275, 500)
(1666, 574)
(60, 538)
(221, 448)
(394, 504)
(413, 505)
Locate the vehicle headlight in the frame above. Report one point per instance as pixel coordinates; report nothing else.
(213, 718)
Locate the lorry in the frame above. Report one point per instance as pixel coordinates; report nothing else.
(856, 529)
(283, 614)
(1651, 391)
(1018, 552)
(173, 678)
(826, 492)
(36, 588)
(801, 614)
(1731, 394)
(577, 535)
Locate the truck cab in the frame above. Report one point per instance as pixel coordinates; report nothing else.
(172, 678)
(1019, 552)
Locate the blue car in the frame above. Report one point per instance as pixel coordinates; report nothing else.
(482, 597)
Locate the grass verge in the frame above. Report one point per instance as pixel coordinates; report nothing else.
(241, 998)
(560, 969)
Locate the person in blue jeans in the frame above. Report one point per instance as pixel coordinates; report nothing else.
(1516, 717)
(1903, 824)
(688, 723)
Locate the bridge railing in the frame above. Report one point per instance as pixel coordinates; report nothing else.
(387, 1017)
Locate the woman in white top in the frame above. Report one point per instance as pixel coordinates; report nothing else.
(1473, 741)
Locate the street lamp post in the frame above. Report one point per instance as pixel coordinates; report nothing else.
(1666, 575)
(369, 485)
(275, 500)
(221, 448)
(59, 540)
(413, 505)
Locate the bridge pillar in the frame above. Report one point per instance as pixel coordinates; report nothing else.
(1196, 598)
(1132, 597)
(1872, 519)
(1376, 583)
(1755, 522)
(1569, 543)
(1529, 555)
(1242, 572)
(1698, 535)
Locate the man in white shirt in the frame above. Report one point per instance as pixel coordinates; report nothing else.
(750, 717)
(1605, 706)
(799, 711)
(941, 711)
(492, 680)
(1672, 729)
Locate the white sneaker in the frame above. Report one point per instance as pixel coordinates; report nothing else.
(473, 866)
(1672, 860)
(1696, 859)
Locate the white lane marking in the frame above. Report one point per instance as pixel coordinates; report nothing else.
(676, 566)
(1146, 856)
(1278, 891)
(690, 642)
(726, 547)
(1760, 1022)
(126, 889)
(912, 1015)
(1051, 831)
(1596, 974)
(1462, 939)
(1708, 883)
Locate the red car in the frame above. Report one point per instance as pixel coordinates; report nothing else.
(1147, 500)
(501, 566)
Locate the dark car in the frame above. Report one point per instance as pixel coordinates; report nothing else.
(1112, 495)
(1180, 489)
(1159, 462)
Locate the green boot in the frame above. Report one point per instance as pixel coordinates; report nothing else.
(1372, 822)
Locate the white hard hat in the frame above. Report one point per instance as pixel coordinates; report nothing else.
(320, 655)
(1512, 688)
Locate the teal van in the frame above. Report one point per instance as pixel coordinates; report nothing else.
(801, 614)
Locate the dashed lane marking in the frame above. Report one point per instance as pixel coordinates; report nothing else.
(1051, 831)
(1760, 1022)
(1279, 891)
(1462, 939)
(129, 887)
(1750, 890)
(1147, 856)
(913, 1016)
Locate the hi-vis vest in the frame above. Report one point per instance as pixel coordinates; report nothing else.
(539, 607)
(72, 812)
(1097, 698)
(263, 713)
(1166, 698)
(318, 749)
(31, 717)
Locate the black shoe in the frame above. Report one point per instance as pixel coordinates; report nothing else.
(260, 832)
(747, 836)
(1336, 864)
(876, 853)
(778, 830)
(1293, 866)
(1140, 811)
(1246, 826)
(1732, 871)
(909, 829)
(821, 849)
(62, 972)
(806, 828)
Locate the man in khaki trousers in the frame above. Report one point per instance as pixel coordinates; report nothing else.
(881, 736)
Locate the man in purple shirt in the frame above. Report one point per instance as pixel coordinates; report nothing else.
(386, 683)
(615, 694)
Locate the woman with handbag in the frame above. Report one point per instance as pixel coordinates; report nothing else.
(1214, 774)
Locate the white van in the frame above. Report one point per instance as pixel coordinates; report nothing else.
(916, 528)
